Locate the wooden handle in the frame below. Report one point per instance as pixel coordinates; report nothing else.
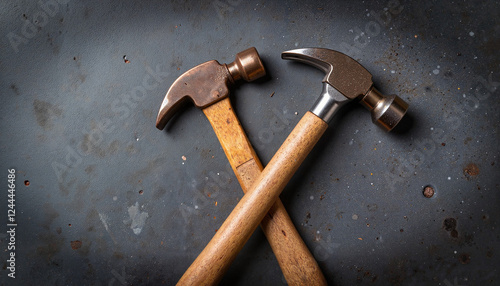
(213, 261)
(295, 259)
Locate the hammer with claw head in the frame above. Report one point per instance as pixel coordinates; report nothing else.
(345, 80)
(207, 85)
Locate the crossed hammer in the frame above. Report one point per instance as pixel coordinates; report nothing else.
(207, 86)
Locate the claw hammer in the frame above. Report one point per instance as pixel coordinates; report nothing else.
(345, 80)
(207, 85)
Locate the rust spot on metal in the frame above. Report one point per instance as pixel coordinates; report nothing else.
(76, 244)
(26, 183)
(450, 224)
(308, 216)
(464, 258)
(489, 253)
(428, 192)
(471, 170)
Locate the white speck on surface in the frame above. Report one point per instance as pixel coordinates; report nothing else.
(356, 132)
(317, 231)
(432, 128)
(296, 113)
(393, 71)
(311, 198)
(464, 95)
(436, 71)
(351, 142)
(455, 252)
(354, 216)
(449, 178)
(196, 207)
(115, 198)
(138, 218)
(471, 34)
(379, 141)
(296, 44)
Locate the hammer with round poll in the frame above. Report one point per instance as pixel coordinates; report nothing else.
(345, 80)
(207, 85)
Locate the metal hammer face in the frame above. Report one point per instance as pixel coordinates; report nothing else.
(347, 79)
(209, 83)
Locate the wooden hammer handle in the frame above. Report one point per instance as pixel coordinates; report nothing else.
(297, 263)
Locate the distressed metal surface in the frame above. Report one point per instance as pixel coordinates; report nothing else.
(114, 201)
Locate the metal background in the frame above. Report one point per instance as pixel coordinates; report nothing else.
(75, 124)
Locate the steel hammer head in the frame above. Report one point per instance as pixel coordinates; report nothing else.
(208, 83)
(353, 81)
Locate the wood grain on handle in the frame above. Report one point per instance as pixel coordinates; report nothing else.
(212, 263)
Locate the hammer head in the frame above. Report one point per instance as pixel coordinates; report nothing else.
(353, 81)
(208, 83)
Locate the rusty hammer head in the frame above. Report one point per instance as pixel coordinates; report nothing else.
(208, 83)
(345, 80)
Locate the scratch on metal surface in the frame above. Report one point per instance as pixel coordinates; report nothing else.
(104, 219)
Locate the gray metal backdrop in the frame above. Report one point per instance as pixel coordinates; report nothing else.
(111, 200)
